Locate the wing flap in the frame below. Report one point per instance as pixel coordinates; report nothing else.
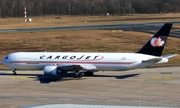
(88, 66)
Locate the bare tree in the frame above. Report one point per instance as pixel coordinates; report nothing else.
(14, 8)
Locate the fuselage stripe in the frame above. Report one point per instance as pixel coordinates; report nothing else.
(27, 62)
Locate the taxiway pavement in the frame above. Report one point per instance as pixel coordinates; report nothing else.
(141, 87)
(141, 27)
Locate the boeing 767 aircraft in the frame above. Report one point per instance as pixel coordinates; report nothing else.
(57, 63)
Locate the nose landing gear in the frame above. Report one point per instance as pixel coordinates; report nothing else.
(14, 71)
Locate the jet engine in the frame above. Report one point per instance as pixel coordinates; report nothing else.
(52, 70)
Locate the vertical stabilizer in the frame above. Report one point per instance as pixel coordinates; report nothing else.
(156, 44)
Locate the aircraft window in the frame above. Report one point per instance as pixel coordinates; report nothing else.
(6, 57)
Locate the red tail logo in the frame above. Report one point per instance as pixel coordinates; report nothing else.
(157, 42)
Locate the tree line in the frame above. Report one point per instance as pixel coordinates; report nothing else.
(15, 8)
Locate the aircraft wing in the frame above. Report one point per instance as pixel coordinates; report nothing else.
(77, 67)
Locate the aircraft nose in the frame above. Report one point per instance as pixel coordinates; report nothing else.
(4, 61)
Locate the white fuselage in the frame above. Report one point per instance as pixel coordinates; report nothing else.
(102, 61)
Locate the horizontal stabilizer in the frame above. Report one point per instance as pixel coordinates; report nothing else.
(153, 60)
(169, 56)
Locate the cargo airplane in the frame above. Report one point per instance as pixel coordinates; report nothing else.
(58, 63)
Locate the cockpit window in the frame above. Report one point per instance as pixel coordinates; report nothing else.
(6, 57)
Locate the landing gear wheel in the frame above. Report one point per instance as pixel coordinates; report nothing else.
(78, 75)
(88, 74)
(14, 72)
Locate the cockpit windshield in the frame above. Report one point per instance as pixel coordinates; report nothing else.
(6, 57)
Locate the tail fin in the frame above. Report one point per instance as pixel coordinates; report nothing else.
(156, 44)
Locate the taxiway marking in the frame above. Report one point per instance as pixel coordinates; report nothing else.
(21, 77)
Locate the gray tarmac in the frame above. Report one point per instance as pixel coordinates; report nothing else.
(141, 27)
(158, 86)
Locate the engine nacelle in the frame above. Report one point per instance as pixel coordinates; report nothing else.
(52, 70)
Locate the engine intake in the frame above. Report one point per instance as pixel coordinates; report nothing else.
(52, 70)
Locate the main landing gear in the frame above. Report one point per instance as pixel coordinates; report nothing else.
(77, 74)
(14, 72)
(88, 73)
